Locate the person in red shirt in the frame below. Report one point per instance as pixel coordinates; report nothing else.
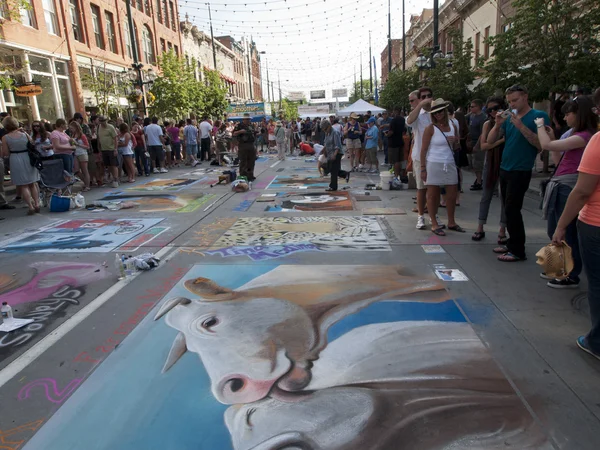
(306, 149)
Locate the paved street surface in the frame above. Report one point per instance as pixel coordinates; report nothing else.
(324, 327)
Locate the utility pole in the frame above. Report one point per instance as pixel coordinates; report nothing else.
(249, 70)
(279, 79)
(134, 50)
(355, 80)
(212, 38)
(273, 91)
(370, 65)
(361, 80)
(403, 40)
(436, 13)
(268, 91)
(390, 37)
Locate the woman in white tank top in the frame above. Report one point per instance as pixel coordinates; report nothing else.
(437, 150)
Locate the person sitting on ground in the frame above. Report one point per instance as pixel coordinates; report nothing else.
(306, 149)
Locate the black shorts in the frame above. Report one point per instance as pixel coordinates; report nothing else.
(109, 158)
(395, 155)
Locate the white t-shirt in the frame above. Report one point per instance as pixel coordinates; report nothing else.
(153, 134)
(418, 128)
(205, 129)
(439, 148)
(338, 127)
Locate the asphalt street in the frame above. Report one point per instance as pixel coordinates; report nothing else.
(300, 320)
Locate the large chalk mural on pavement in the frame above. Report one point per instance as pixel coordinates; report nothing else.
(312, 201)
(79, 236)
(268, 357)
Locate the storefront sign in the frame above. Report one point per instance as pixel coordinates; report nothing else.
(30, 90)
(236, 111)
(295, 96)
(315, 95)
(313, 110)
(336, 93)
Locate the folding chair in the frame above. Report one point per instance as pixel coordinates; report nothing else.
(53, 178)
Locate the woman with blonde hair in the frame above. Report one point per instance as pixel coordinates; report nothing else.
(437, 150)
(82, 148)
(22, 173)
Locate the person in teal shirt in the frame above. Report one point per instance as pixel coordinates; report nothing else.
(371, 142)
(518, 158)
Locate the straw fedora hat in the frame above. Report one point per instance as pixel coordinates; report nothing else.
(354, 116)
(556, 260)
(438, 105)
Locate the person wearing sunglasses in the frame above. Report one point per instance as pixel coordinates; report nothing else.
(491, 171)
(419, 119)
(520, 150)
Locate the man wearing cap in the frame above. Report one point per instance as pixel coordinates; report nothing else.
(244, 132)
(371, 141)
(352, 133)
(418, 120)
(107, 143)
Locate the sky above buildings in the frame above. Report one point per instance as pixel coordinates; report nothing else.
(308, 44)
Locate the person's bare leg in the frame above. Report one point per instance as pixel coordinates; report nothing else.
(27, 197)
(422, 200)
(397, 171)
(35, 193)
(83, 165)
(432, 194)
(114, 172)
(451, 204)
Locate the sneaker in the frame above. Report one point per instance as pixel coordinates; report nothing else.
(567, 283)
(155, 170)
(114, 184)
(163, 170)
(420, 223)
(583, 345)
(347, 177)
(543, 276)
(476, 187)
(360, 167)
(195, 163)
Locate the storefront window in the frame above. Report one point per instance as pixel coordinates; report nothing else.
(64, 89)
(45, 100)
(61, 68)
(39, 64)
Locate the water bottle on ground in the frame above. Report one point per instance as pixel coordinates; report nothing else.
(119, 267)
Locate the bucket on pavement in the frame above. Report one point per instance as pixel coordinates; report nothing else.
(386, 179)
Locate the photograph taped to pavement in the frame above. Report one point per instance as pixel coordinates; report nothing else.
(241, 357)
(157, 202)
(335, 233)
(173, 184)
(79, 236)
(340, 201)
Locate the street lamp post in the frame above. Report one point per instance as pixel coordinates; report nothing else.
(136, 76)
(424, 63)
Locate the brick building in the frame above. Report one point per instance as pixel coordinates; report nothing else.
(396, 58)
(57, 42)
(246, 57)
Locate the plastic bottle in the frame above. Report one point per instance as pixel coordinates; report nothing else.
(119, 266)
(6, 310)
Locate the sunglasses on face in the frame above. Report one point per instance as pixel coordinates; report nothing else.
(494, 108)
(424, 96)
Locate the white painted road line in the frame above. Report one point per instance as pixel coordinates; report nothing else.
(276, 162)
(34, 352)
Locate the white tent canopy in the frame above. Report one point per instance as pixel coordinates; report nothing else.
(360, 107)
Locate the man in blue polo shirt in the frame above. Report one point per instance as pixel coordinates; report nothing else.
(520, 150)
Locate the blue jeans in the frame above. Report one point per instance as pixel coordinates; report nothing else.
(141, 162)
(562, 194)
(589, 243)
(67, 161)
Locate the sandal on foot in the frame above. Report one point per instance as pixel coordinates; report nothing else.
(509, 257)
(456, 228)
(502, 240)
(478, 235)
(438, 231)
(501, 250)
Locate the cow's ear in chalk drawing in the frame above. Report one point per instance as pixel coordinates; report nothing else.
(208, 289)
(170, 304)
(177, 350)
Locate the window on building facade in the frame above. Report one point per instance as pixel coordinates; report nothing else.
(172, 14)
(128, 46)
(110, 31)
(165, 12)
(147, 7)
(486, 44)
(477, 47)
(140, 5)
(28, 15)
(147, 45)
(76, 20)
(163, 46)
(97, 27)
(159, 14)
(177, 50)
(50, 16)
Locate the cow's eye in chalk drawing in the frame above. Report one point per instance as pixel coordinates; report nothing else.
(209, 323)
(235, 384)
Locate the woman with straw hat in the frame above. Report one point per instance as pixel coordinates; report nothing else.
(437, 149)
(352, 132)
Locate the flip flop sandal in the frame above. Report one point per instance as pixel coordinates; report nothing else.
(438, 231)
(502, 240)
(509, 257)
(478, 235)
(456, 228)
(501, 250)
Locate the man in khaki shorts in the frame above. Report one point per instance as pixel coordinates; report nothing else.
(352, 133)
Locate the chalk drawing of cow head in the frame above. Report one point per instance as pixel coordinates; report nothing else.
(269, 331)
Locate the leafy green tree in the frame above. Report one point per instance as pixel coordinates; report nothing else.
(366, 90)
(213, 94)
(397, 88)
(176, 90)
(289, 109)
(551, 45)
(11, 9)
